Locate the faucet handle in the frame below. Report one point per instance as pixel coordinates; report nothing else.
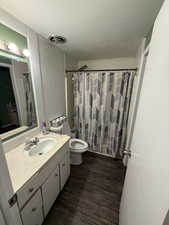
(36, 139)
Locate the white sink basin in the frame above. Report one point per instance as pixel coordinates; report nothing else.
(44, 145)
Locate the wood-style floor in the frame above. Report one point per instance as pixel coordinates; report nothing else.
(91, 195)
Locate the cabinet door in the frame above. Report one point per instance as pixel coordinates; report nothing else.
(32, 213)
(63, 171)
(50, 190)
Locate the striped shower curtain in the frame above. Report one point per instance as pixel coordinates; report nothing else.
(101, 107)
(30, 106)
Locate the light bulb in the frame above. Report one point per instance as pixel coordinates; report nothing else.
(26, 52)
(12, 47)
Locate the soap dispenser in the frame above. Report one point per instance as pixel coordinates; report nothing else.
(44, 128)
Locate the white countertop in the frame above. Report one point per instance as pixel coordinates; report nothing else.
(22, 166)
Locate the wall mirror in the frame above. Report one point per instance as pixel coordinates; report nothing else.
(17, 106)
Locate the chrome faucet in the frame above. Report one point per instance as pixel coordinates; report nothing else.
(30, 143)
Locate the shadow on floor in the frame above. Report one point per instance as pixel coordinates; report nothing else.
(91, 195)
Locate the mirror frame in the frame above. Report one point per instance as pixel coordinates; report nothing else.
(32, 44)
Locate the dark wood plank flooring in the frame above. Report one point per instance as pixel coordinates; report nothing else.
(91, 195)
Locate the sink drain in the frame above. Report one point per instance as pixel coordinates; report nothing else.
(40, 153)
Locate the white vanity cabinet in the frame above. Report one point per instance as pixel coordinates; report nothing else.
(50, 190)
(38, 194)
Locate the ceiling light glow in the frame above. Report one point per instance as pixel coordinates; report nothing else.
(12, 47)
(26, 52)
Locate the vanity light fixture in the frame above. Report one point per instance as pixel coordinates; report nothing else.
(26, 52)
(13, 48)
(2, 45)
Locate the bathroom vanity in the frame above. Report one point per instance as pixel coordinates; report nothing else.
(38, 179)
(32, 74)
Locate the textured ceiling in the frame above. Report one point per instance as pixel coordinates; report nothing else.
(93, 28)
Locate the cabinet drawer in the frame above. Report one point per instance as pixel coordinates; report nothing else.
(32, 213)
(28, 190)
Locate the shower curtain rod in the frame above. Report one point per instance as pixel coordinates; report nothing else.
(74, 71)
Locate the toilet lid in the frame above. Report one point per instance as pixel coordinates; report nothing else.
(75, 143)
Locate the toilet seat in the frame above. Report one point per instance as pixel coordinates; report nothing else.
(78, 145)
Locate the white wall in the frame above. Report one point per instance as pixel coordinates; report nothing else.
(114, 63)
(53, 79)
(2, 222)
(145, 197)
(71, 63)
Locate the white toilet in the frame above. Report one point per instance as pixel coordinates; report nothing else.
(77, 146)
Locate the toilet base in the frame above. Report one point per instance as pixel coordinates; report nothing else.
(76, 158)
